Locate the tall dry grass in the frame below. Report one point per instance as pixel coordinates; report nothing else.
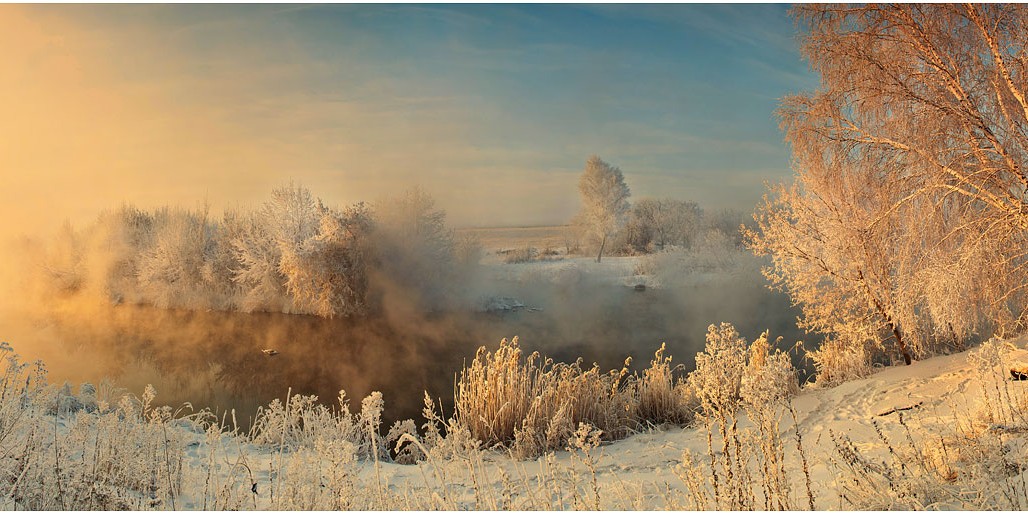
(73, 452)
(534, 405)
(111, 450)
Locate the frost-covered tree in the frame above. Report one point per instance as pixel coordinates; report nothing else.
(662, 222)
(61, 262)
(292, 217)
(835, 266)
(296, 255)
(604, 201)
(111, 251)
(327, 273)
(170, 268)
(731, 222)
(908, 215)
(257, 255)
(414, 249)
(934, 97)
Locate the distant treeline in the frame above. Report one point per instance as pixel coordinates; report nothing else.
(656, 224)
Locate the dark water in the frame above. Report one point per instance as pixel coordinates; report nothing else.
(214, 359)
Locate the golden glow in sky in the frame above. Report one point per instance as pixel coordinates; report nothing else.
(493, 110)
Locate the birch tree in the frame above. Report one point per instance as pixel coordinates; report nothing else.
(604, 201)
(908, 213)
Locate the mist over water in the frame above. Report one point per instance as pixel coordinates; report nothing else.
(213, 359)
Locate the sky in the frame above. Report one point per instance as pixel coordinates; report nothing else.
(492, 109)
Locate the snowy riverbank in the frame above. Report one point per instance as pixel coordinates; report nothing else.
(933, 429)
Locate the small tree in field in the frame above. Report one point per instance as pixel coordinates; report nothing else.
(604, 201)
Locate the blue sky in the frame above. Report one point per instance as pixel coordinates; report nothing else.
(491, 108)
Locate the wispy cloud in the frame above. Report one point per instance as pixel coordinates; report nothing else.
(491, 108)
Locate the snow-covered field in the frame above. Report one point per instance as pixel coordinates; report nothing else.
(495, 239)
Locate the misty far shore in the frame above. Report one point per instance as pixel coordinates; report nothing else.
(213, 358)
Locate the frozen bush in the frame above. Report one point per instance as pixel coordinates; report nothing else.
(292, 254)
(519, 255)
(170, 269)
(837, 362)
(729, 378)
(416, 254)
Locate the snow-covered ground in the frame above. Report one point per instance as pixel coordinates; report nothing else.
(610, 270)
(946, 399)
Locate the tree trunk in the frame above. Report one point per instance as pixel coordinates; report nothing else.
(902, 346)
(888, 319)
(958, 345)
(602, 244)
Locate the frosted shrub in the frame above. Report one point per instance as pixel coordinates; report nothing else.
(714, 250)
(326, 273)
(719, 370)
(62, 262)
(302, 421)
(716, 382)
(769, 377)
(999, 405)
(519, 255)
(729, 378)
(837, 362)
(256, 255)
(416, 253)
(170, 269)
(768, 383)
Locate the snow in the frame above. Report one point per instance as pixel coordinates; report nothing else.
(636, 472)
